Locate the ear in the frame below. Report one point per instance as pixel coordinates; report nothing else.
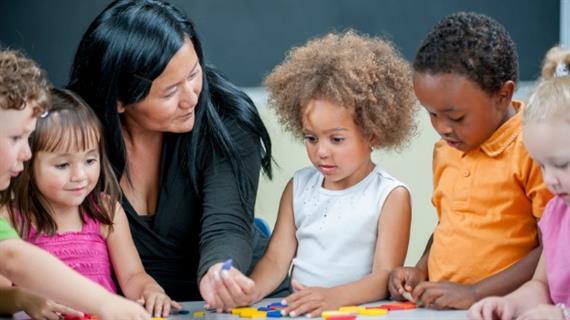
(120, 107)
(505, 93)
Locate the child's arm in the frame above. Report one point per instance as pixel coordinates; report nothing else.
(390, 252)
(524, 299)
(58, 282)
(133, 280)
(271, 269)
(14, 299)
(405, 279)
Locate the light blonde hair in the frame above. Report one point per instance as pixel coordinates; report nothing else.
(551, 99)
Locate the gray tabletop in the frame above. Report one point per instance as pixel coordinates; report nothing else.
(194, 306)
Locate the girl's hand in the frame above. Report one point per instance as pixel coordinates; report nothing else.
(542, 311)
(492, 308)
(311, 301)
(39, 308)
(404, 279)
(157, 303)
(226, 289)
(116, 307)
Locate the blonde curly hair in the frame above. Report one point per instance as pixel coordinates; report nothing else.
(363, 74)
(551, 98)
(22, 82)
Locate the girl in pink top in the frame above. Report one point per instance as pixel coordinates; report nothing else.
(66, 202)
(546, 130)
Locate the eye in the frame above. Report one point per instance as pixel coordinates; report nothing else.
(62, 165)
(432, 115)
(194, 74)
(91, 161)
(459, 119)
(337, 140)
(561, 166)
(171, 93)
(310, 139)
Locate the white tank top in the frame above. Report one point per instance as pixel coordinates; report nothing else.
(336, 229)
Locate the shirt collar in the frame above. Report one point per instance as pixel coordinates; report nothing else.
(506, 134)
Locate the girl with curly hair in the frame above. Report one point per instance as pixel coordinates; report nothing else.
(343, 223)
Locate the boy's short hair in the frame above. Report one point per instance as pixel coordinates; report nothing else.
(472, 45)
(22, 82)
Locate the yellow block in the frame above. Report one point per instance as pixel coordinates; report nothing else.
(240, 310)
(199, 314)
(333, 313)
(256, 314)
(351, 309)
(373, 312)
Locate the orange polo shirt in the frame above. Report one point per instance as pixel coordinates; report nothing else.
(488, 201)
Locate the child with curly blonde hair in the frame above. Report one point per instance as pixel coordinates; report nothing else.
(343, 223)
(546, 131)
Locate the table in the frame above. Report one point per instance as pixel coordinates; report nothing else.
(419, 314)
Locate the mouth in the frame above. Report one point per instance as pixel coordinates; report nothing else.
(15, 173)
(187, 115)
(326, 168)
(452, 143)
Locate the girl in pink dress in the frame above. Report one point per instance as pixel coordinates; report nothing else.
(546, 132)
(66, 202)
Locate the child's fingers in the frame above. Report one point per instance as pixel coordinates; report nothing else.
(164, 309)
(175, 305)
(293, 301)
(304, 306)
(61, 309)
(149, 304)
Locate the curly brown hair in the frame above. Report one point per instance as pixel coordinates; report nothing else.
(366, 75)
(22, 82)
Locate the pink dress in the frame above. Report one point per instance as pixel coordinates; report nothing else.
(555, 227)
(84, 251)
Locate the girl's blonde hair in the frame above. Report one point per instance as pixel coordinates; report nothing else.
(69, 126)
(551, 98)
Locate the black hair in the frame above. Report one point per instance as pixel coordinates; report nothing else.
(472, 45)
(128, 46)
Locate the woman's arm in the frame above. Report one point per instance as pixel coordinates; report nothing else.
(227, 223)
(135, 283)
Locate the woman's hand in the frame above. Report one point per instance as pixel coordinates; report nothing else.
(157, 303)
(226, 289)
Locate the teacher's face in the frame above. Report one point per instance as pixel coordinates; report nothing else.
(169, 105)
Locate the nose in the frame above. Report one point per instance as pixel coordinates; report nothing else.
(442, 127)
(322, 150)
(550, 178)
(77, 173)
(25, 152)
(190, 95)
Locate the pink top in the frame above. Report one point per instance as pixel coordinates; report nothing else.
(84, 251)
(555, 227)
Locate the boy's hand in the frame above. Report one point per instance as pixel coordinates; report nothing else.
(311, 301)
(226, 289)
(445, 295)
(39, 308)
(492, 308)
(157, 303)
(542, 311)
(404, 279)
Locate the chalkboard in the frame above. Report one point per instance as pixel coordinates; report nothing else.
(245, 39)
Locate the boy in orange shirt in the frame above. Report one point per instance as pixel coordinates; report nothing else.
(488, 192)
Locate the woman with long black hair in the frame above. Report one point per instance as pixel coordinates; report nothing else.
(186, 144)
